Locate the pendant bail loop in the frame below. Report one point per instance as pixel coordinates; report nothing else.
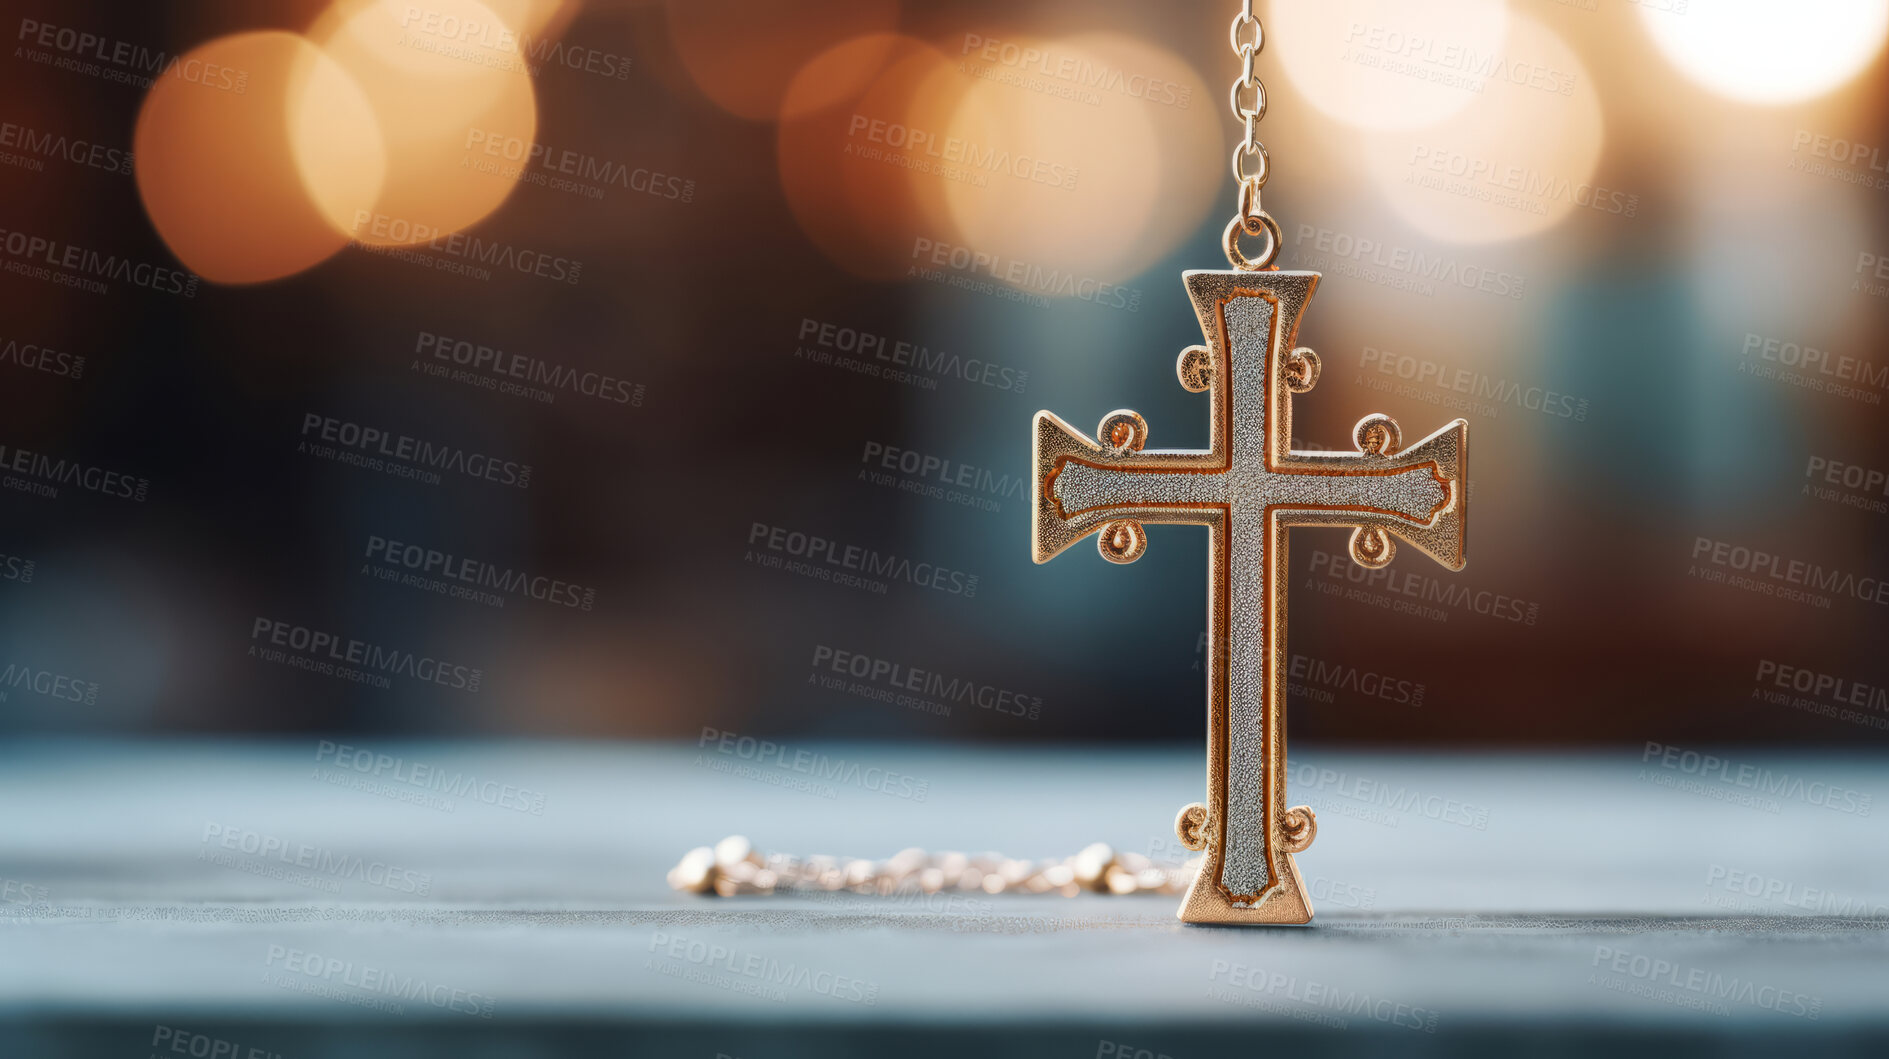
(1238, 257)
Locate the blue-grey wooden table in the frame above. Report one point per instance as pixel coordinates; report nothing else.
(308, 899)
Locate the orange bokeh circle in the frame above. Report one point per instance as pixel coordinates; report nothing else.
(216, 167)
(743, 55)
(455, 105)
(846, 165)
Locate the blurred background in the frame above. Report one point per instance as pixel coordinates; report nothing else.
(611, 369)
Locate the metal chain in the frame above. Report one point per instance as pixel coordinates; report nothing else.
(1251, 164)
(733, 867)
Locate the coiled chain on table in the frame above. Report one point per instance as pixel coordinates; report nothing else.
(733, 867)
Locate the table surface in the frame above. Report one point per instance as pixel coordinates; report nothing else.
(500, 900)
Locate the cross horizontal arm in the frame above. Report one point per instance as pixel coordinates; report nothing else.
(1080, 487)
(1325, 482)
(1352, 482)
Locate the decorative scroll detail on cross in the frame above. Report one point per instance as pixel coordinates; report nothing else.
(1248, 487)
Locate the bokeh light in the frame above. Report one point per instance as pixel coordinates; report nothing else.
(1054, 164)
(1097, 174)
(532, 20)
(844, 166)
(742, 54)
(1754, 51)
(1186, 116)
(456, 109)
(1518, 161)
(215, 166)
(1388, 64)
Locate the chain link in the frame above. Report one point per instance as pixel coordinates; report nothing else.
(733, 867)
(1251, 164)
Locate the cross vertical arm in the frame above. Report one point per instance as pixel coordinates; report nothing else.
(1249, 488)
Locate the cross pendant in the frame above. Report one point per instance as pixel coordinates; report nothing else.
(1248, 488)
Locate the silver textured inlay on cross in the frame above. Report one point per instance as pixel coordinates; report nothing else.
(1248, 486)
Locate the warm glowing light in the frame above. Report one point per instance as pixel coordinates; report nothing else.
(1757, 51)
(1388, 64)
(845, 165)
(456, 110)
(216, 169)
(742, 54)
(1517, 162)
(1188, 120)
(1749, 238)
(532, 20)
(1062, 167)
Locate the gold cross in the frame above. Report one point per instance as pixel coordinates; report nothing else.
(1247, 488)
